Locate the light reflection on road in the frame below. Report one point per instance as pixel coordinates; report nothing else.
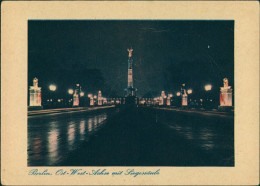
(82, 129)
(53, 146)
(51, 139)
(71, 135)
(205, 137)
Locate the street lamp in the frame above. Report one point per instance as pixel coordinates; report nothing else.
(178, 94)
(207, 104)
(81, 94)
(189, 91)
(52, 87)
(52, 95)
(208, 87)
(70, 91)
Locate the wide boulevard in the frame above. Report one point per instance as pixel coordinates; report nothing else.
(130, 136)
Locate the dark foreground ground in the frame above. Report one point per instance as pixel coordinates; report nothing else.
(132, 136)
(150, 137)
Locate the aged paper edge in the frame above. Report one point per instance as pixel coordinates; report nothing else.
(14, 19)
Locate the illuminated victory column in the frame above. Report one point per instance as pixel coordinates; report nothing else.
(130, 86)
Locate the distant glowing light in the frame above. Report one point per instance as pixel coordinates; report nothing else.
(189, 91)
(178, 94)
(95, 97)
(70, 91)
(82, 94)
(52, 87)
(201, 100)
(90, 95)
(208, 87)
(59, 100)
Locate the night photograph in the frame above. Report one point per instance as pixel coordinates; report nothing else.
(131, 93)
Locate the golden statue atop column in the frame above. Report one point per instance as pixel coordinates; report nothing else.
(130, 52)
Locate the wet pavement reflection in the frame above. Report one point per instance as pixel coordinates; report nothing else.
(211, 136)
(131, 137)
(50, 139)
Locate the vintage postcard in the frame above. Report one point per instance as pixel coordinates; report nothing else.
(130, 93)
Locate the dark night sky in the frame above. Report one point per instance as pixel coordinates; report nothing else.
(166, 54)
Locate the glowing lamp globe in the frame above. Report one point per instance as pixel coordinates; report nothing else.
(70, 91)
(81, 94)
(208, 87)
(52, 87)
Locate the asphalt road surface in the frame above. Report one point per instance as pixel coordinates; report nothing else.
(132, 136)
